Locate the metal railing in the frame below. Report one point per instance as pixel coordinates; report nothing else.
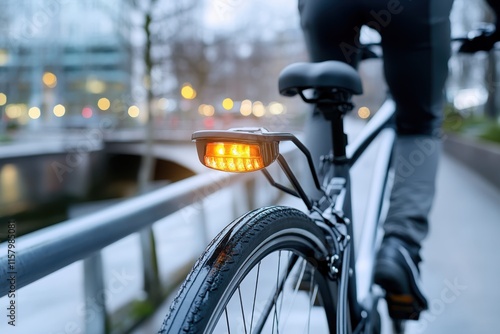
(48, 250)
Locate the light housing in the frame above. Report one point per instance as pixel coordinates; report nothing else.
(236, 150)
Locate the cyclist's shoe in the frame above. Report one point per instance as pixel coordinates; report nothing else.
(396, 271)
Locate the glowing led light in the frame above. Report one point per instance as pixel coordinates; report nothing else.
(233, 157)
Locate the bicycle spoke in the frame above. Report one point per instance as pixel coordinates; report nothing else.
(255, 295)
(270, 300)
(295, 290)
(275, 298)
(227, 321)
(242, 311)
(313, 289)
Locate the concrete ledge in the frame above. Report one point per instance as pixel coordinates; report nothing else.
(481, 156)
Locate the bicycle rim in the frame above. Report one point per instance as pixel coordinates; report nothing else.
(264, 274)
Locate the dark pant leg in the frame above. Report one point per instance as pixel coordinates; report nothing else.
(416, 47)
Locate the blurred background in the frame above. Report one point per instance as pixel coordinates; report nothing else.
(98, 100)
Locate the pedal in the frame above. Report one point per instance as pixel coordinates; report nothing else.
(403, 307)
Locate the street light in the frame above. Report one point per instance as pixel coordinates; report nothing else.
(3, 99)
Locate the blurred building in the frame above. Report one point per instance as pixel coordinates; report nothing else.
(60, 58)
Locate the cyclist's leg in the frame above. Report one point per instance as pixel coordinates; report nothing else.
(331, 31)
(416, 47)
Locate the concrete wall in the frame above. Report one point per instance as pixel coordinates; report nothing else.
(481, 156)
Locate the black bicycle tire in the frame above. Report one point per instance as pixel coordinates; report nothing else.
(191, 310)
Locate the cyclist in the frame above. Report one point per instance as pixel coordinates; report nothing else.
(416, 46)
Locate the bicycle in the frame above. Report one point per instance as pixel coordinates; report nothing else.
(311, 253)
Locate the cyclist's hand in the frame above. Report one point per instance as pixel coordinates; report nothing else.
(480, 40)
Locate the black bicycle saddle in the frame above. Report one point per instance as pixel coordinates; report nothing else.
(323, 75)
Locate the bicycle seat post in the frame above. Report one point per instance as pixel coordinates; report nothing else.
(334, 104)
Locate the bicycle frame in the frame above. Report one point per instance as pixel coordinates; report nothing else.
(359, 279)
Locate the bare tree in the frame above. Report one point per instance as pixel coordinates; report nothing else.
(155, 15)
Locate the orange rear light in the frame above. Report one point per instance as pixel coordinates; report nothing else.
(233, 156)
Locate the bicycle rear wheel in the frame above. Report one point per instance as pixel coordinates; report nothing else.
(251, 279)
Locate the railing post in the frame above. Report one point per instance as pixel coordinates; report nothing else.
(95, 295)
(205, 238)
(152, 284)
(250, 187)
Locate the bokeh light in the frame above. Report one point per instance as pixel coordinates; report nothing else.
(13, 111)
(227, 104)
(49, 79)
(87, 112)
(4, 57)
(258, 109)
(188, 92)
(34, 113)
(364, 112)
(206, 110)
(3, 99)
(103, 104)
(276, 108)
(59, 110)
(95, 86)
(134, 111)
(246, 107)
